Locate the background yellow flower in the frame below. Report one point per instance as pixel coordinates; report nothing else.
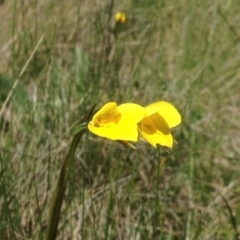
(120, 17)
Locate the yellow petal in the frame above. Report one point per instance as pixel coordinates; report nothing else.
(155, 130)
(167, 111)
(150, 110)
(116, 132)
(108, 107)
(117, 123)
(132, 111)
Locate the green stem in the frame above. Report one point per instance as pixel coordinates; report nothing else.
(57, 199)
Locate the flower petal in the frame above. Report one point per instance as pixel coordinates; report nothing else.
(167, 111)
(155, 130)
(108, 107)
(150, 110)
(117, 122)
(116, 132)
(134, 111)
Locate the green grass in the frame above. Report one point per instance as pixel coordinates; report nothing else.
(184, 52)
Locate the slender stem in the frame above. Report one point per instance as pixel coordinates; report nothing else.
(55, 208)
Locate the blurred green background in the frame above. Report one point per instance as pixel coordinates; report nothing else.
(184, 52)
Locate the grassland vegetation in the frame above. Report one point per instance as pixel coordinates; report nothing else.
(184, 52)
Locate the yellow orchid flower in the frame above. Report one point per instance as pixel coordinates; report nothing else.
(117, 122)
(155, 126)
(120, 17)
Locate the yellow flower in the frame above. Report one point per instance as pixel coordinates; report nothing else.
(120, 17)
(117, 122)
(155, 126)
